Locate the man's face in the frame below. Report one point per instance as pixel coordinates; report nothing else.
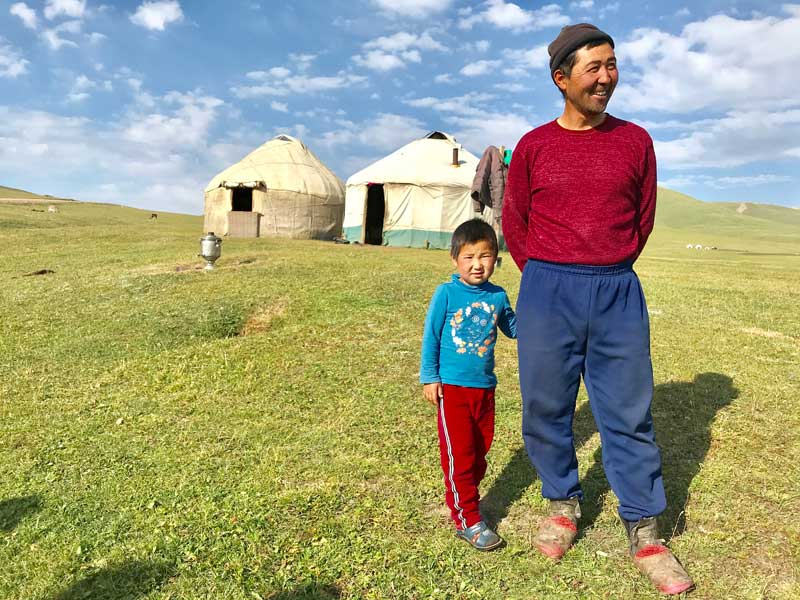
(592, 81)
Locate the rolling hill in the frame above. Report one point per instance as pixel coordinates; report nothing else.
(9, 192)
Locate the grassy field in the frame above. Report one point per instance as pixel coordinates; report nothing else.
(258, 431)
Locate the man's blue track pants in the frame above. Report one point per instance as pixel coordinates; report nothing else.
(578, 321)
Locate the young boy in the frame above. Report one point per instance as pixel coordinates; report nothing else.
(457, 372)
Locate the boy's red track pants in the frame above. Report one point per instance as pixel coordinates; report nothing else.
(466, 430)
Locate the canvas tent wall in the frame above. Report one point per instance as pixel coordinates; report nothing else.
(280, 189)
(413, 197)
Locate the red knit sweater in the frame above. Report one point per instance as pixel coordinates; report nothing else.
(581, 197)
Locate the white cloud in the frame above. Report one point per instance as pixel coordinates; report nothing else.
(95, 37)
(482, 45)
(82, 86)
(527, 59)
(385, 132)
(445, 78)
(472, 120)
(403, 40)
(734, 140)
(186, 122)
(683, 12)
(394, 51)
(697, 70)
(26, 13)
(12, 64)
(582, 5)
(279, 106)
(157, 15)
(489, 129)
(270, 85)
(725, 182)
(377, 60)
(507, 15)
(280, 72)
(302, 61)
(414, 8)
(53, 36)
(479, 67)
(68, 8)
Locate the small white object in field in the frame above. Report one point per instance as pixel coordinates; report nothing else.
(120, 421)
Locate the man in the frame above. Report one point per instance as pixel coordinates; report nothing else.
(579, 206)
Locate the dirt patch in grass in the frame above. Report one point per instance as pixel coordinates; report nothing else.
(262, 318)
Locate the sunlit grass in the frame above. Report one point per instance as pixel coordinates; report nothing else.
(258, 431)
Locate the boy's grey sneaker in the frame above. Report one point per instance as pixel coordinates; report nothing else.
(557, 531)
(654, 559)
(480, 537)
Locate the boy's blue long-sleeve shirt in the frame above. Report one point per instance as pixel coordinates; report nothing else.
(460, 333)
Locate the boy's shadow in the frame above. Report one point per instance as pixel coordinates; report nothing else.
(682, 412)
(13, 510)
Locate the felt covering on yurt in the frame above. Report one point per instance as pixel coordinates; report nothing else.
(293, 193)
(425, 196)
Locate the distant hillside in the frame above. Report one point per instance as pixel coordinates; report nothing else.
(732, 219)
(8, 192)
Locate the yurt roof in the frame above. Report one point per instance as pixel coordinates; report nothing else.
(282, 163)
(423, 162)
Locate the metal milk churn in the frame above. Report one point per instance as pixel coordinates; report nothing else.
(210, 249)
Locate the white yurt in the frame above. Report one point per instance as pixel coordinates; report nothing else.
(280, 189)
(414, 197)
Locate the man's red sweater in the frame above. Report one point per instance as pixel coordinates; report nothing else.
(581, 197)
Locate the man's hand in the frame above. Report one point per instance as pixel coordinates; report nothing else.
(433, 392)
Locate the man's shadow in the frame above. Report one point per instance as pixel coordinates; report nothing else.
(683, 413)
(126, 581)
(312, 591)
(14, 510)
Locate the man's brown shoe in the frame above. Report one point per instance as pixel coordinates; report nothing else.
(557, 531)
(654, 559)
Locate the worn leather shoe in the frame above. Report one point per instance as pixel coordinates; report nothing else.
(654, 559)
(557, 531)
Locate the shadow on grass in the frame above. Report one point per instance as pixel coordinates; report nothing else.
(312, 591)
(13, 510)
(126, 581)
(683, 413)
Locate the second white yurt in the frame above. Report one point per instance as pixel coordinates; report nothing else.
(414, 197)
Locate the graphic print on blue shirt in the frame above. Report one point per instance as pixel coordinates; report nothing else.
(473, 328)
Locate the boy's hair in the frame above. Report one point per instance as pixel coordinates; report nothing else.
(472, 232)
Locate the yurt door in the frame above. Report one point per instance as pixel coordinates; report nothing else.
(376, 209)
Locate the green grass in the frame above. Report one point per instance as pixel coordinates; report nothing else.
(149, 450)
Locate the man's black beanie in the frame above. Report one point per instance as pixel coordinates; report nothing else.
(571, 38)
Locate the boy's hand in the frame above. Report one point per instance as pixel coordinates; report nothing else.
(433, 392)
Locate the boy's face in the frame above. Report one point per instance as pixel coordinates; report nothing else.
(475, 262)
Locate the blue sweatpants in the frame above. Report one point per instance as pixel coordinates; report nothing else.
(573, 321)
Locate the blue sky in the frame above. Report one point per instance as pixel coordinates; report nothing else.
(141, 103)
